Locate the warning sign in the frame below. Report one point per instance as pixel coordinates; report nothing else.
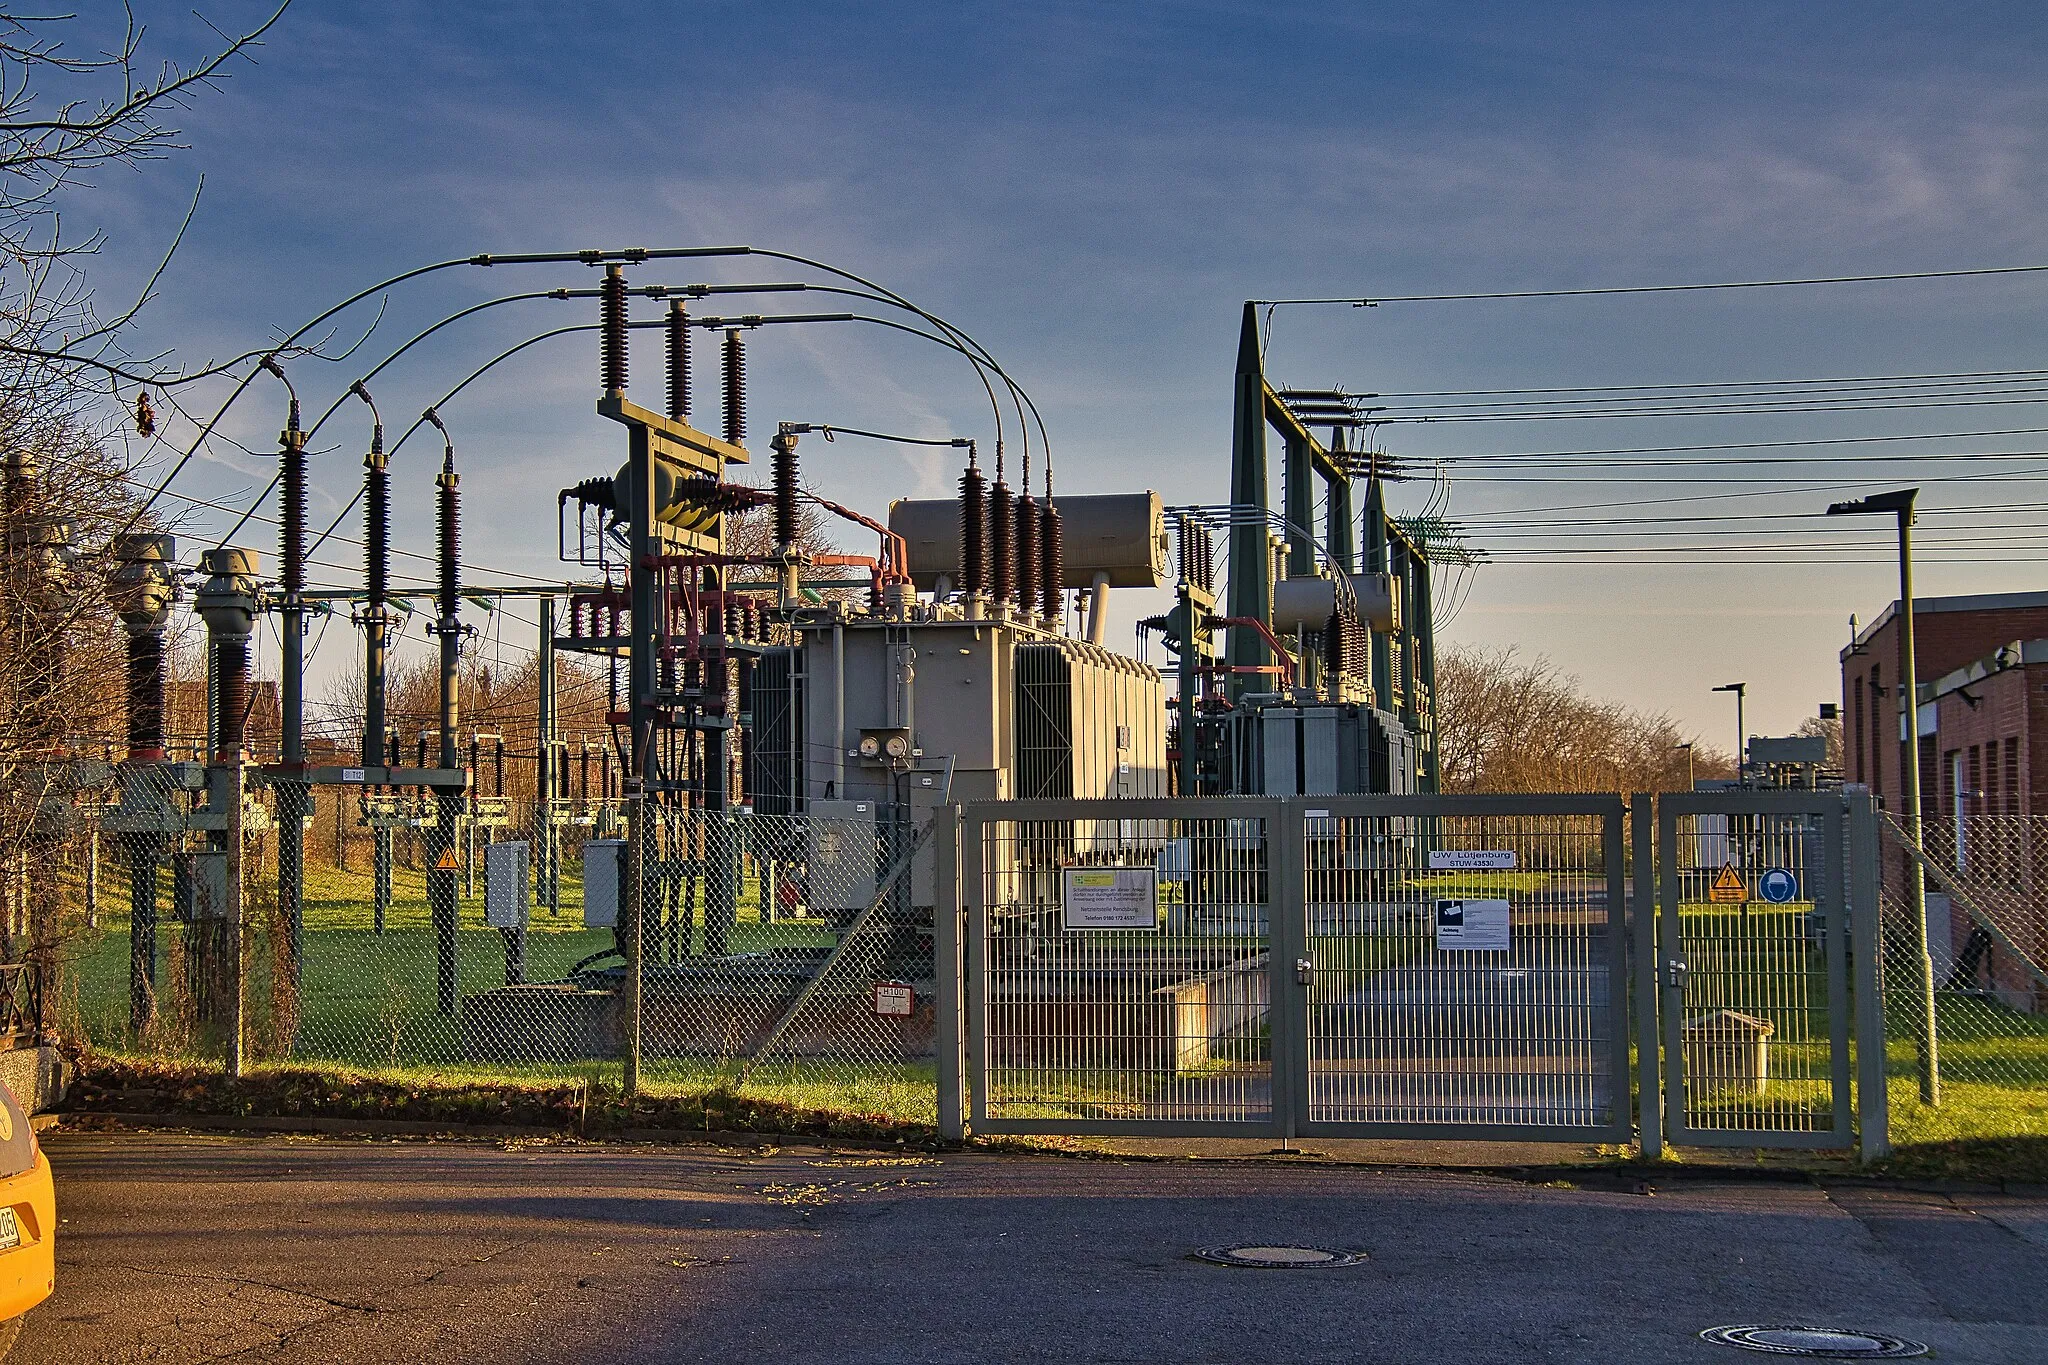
(447, 862)
(1728, 888)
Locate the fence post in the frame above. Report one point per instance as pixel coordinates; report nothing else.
(1873, 1100)
(1642, 929)
(633, 922)
(949, 970)
(1290, 968)
(237, 1004)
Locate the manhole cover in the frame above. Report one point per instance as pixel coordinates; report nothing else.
(1278, 1257)
(1826, 1343)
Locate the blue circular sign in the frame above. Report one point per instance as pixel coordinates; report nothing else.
(1778, 886)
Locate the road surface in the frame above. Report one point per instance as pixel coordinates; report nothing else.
(198, 1248)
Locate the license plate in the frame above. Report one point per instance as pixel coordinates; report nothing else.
(10, 1230)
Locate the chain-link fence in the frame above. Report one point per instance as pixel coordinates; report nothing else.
(481, 938)
(1987, 938)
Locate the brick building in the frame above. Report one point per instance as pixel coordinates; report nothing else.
(1950, 634)
(1982, 723)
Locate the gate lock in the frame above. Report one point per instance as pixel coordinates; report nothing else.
(1674, 974)
(1304, 971)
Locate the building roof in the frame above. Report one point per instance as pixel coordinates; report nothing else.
(1926, 606)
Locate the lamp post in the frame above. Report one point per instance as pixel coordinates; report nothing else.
(1687, 748)
(1900, 504)
(1740, 690)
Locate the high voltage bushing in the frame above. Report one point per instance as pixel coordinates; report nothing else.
(784, 466)
(735, 387)
(227, 603)
(1027, 552)
(292, 527)
(678, 361)
(1049, 561)
(448, 594)
(974, 533)
(611, 335)
(141, 590)
(1003, 546)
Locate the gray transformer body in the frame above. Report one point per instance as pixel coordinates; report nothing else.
(1322, 751)
(988, 709)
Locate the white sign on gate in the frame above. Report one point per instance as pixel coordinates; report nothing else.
(1472, 926)
(1110, 898)
(1471, 860)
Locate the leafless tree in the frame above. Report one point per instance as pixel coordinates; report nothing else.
(1510, 724)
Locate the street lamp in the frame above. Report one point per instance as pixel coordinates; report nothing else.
(1687, 747)
(1900, 504)
(1740, 690)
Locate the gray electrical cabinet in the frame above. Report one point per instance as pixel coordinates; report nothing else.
(604, 868)
(508, 892)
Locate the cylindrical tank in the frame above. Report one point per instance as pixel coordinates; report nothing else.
(1306, 603)
(1122, 535)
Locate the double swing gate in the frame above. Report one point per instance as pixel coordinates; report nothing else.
(1456, 967)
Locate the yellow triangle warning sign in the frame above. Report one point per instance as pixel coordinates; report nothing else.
(447, 862)
(1728, 888)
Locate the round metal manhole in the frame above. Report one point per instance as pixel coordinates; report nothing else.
(1278, 1257)
(1824, 1343)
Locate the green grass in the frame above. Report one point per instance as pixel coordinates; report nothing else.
(1993, 1089)
(1476, 884)
(368, 998)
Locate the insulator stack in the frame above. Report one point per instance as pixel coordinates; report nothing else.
(231, 689)
(678, 361)
(377, 531)
(1003, 552)
(449, 594)
(611, 336)
(785, 480)
(1027, 554)
(974, 533)
(1051, 569)
(145, 692)
(292, 525)
(735, 387)
(1205, 542)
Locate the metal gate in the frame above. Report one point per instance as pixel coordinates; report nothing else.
(1755, 892)
(1366, 966)
(1466, 968)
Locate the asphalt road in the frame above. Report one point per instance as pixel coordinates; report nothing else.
(188, 1248)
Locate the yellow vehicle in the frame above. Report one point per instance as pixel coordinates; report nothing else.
(28, 1220)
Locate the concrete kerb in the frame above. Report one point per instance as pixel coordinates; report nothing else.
(1622, 1176)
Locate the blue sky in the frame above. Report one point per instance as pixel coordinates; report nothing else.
(1093, 190)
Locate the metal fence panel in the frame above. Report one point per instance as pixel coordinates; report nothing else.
(1120, 965)
(1467, 968)
(1987, 933)
(1753, 955)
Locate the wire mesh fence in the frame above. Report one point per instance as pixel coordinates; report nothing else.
(1987, 939)
(785, 956)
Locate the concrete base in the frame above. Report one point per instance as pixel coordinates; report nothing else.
(38, 1076)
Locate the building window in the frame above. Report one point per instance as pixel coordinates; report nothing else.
(2012, 776)
(1856, 728)
(1973, 795)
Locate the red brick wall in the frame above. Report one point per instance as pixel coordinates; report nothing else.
(1942, 642)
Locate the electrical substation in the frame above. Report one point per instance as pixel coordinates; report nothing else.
(780, 726)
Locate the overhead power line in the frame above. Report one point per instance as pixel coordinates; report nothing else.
(1375, 300)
